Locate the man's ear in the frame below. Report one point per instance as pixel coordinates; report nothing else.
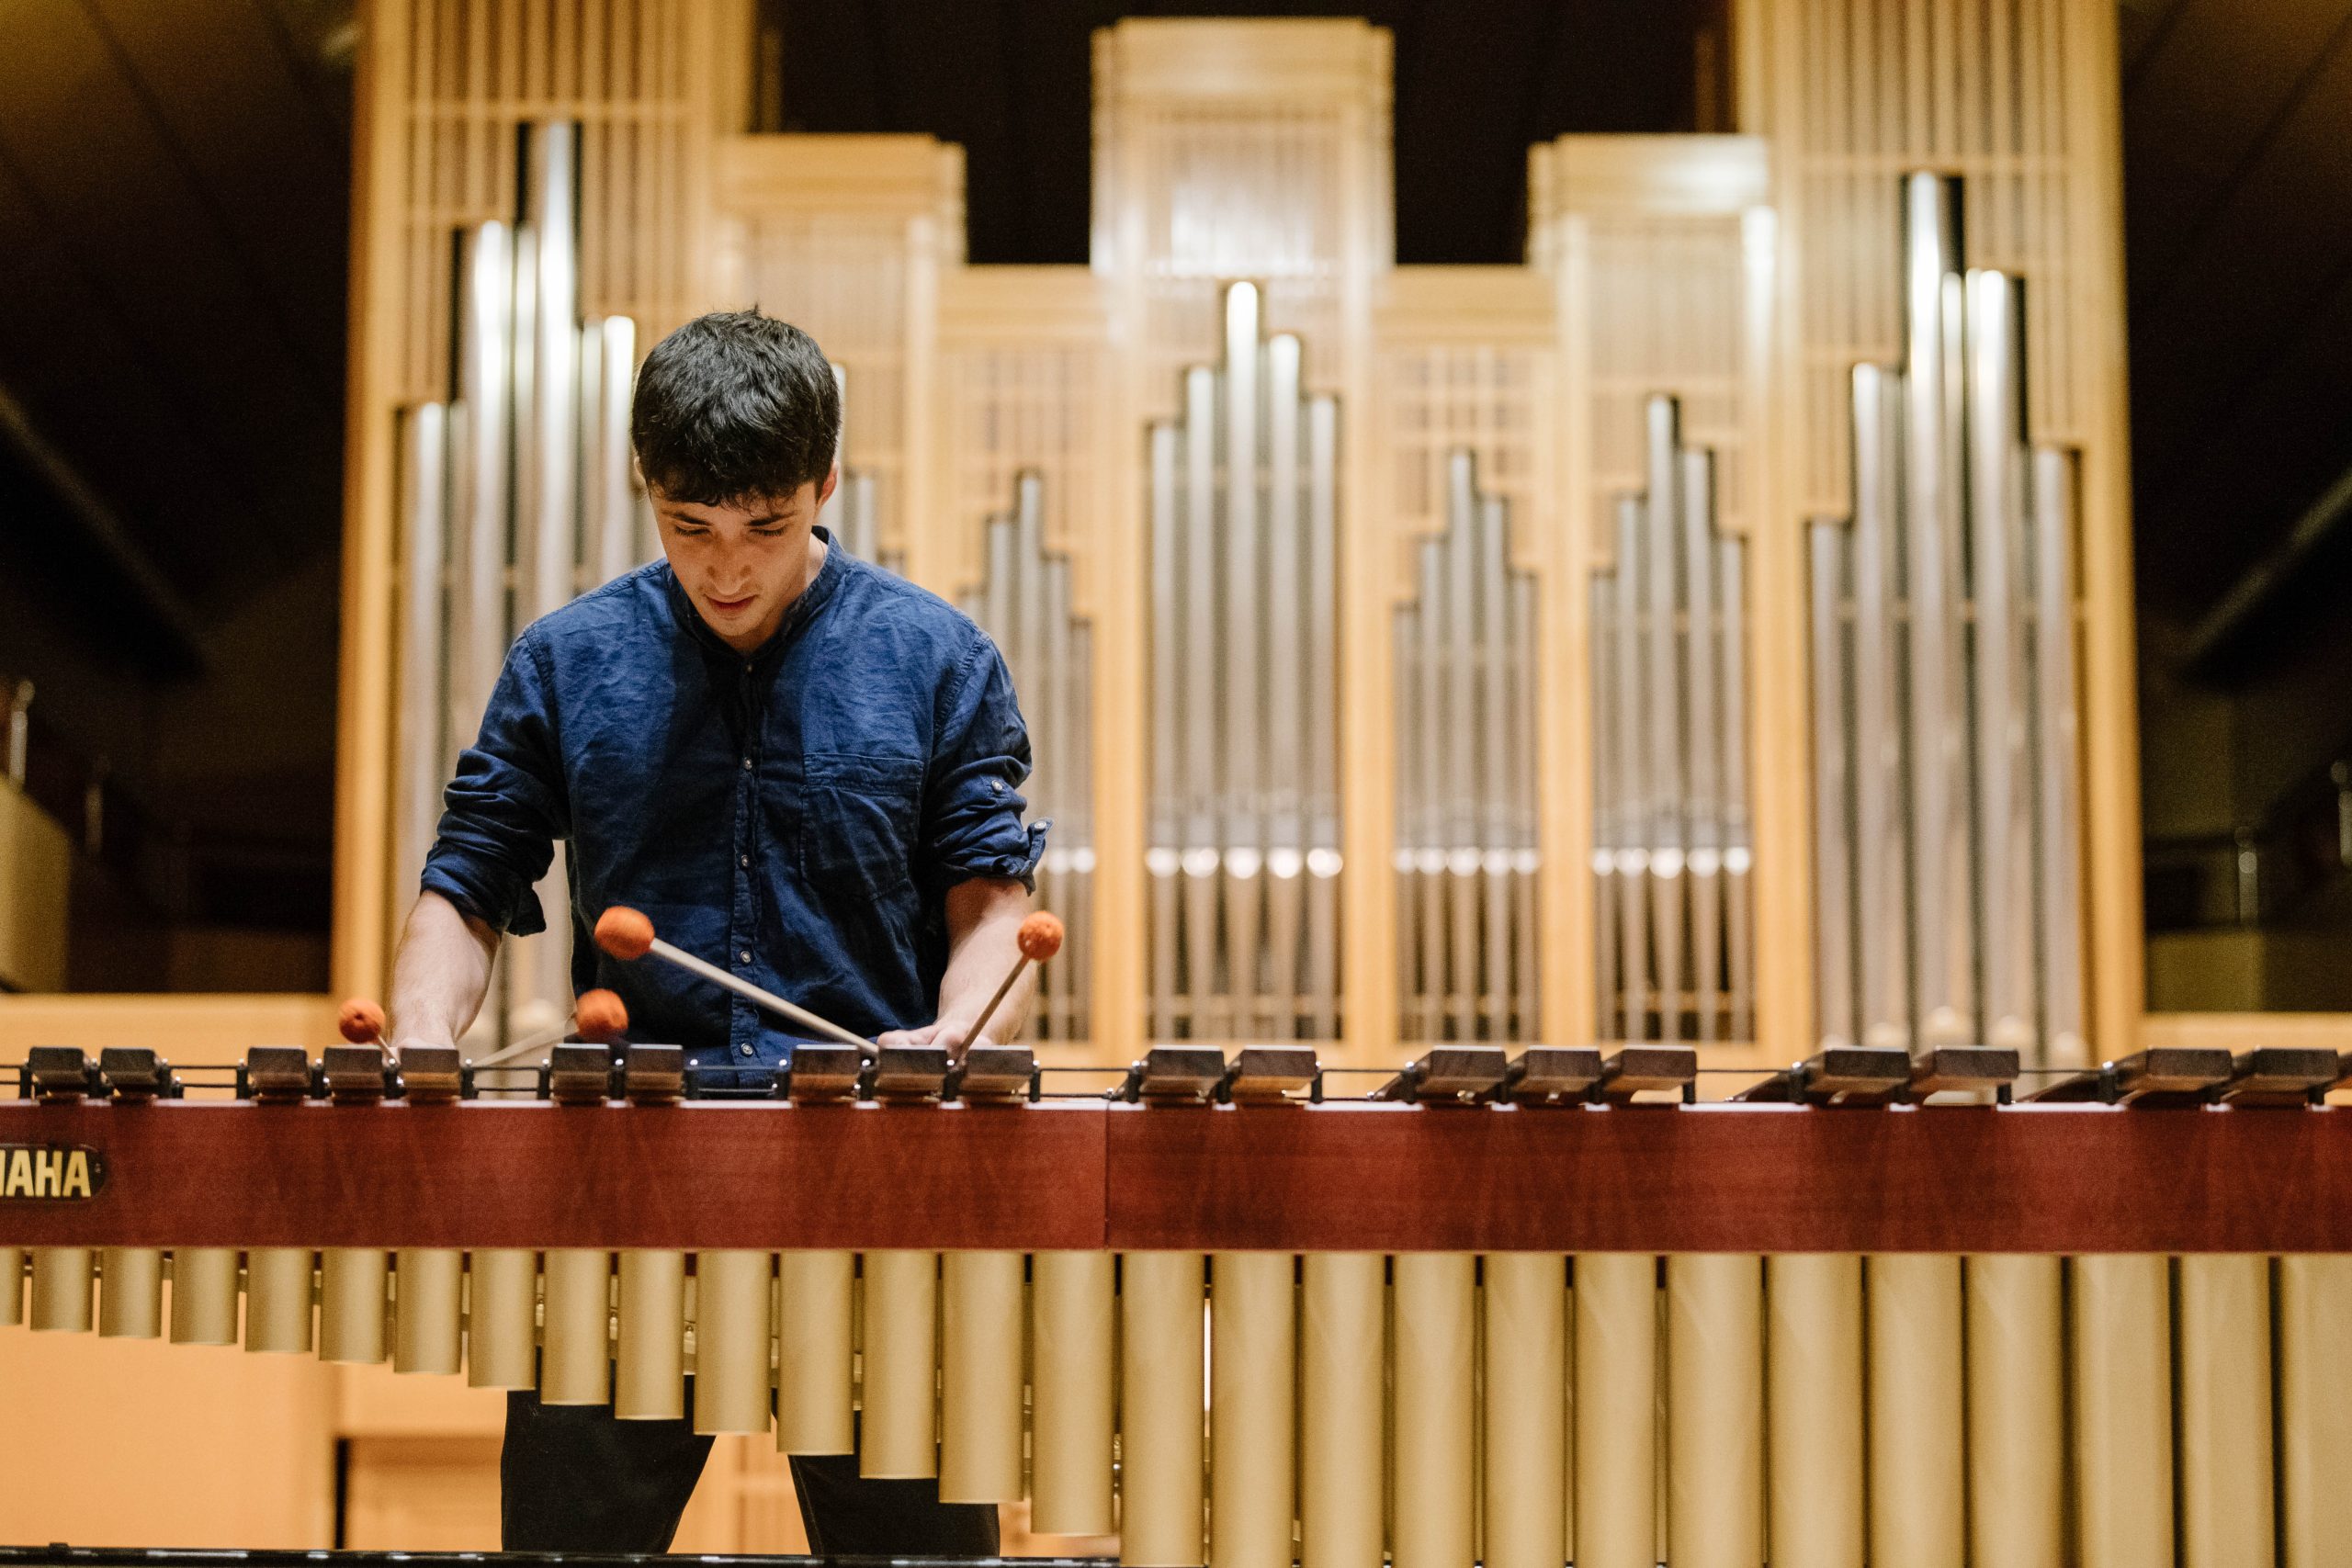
(825, 489)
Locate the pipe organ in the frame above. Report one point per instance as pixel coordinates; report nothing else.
(1719, 699)
(1024, 603)
(1672, 847)
(1467, 846)
(1244, 859)
(1947, 720)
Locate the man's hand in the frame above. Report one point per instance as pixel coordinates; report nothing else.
(947, 1031)
(984, 920)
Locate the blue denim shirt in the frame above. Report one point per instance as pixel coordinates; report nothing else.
(796, 817)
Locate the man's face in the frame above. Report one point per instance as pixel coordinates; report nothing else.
(743, 565)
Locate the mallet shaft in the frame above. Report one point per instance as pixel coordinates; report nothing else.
(988, 1011)
(540, 1041)
(768, 1000)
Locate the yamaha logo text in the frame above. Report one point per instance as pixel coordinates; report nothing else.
(52, 1170)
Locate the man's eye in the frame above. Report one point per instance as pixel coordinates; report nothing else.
(768, 533)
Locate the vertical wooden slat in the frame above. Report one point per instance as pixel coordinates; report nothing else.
(379, 207)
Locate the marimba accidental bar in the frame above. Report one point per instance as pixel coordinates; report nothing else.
(1510, 1310)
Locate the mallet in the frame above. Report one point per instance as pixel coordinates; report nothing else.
(361, 1023)
(1040, 938)
(599, 1017)
(627, 935)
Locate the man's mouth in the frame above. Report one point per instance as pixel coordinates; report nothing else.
(729, 606)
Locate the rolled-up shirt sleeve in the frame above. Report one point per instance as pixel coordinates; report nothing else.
(972, 802)
(506, 806)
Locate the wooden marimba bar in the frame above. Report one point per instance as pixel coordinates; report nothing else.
(1502, 1310)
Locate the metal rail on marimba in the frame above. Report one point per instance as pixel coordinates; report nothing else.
(1504, 1311)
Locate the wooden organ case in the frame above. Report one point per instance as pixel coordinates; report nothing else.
(1212, 481)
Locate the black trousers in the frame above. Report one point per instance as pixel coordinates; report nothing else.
(572, 1478)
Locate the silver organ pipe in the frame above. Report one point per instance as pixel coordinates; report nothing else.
(619, 520)
(1286, 699)
(1739, 852)
(1244, 855)
(515, 495)
(547, 526)
(480, 527)
(1998, 568)
(854, 525)
(423, 506)
(1466, 851)
(2056, 734)
(1833, 791)
(1322, 862)
(1665, 642)
(1703, 850)
(480, 541)
(1944, 690)
(1024, 603)
(1670, 822)
(1608, 890)
(1162, 860)
(849, 514)
(1933, 462)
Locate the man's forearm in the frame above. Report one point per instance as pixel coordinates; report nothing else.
(440, 974)
(983, 925)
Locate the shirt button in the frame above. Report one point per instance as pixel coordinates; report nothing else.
(744, 956)
(747, 764)
(744, 860)
(745, 1049)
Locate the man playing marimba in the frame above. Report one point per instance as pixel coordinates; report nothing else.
(802, 768)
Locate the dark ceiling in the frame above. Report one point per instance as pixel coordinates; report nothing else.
(1477, 82)
(2238, 236)
(174, 186)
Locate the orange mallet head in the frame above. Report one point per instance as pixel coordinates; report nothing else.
(624, 932)
(361, 1022)
(1040, 936)
(601, 1016)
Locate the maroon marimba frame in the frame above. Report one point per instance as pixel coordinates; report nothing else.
(1080, 1174)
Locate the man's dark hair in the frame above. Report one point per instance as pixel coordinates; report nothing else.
(732, 407)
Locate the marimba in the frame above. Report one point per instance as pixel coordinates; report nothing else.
(1509, 1310)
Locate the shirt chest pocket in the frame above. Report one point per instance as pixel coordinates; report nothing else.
(860, 822)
